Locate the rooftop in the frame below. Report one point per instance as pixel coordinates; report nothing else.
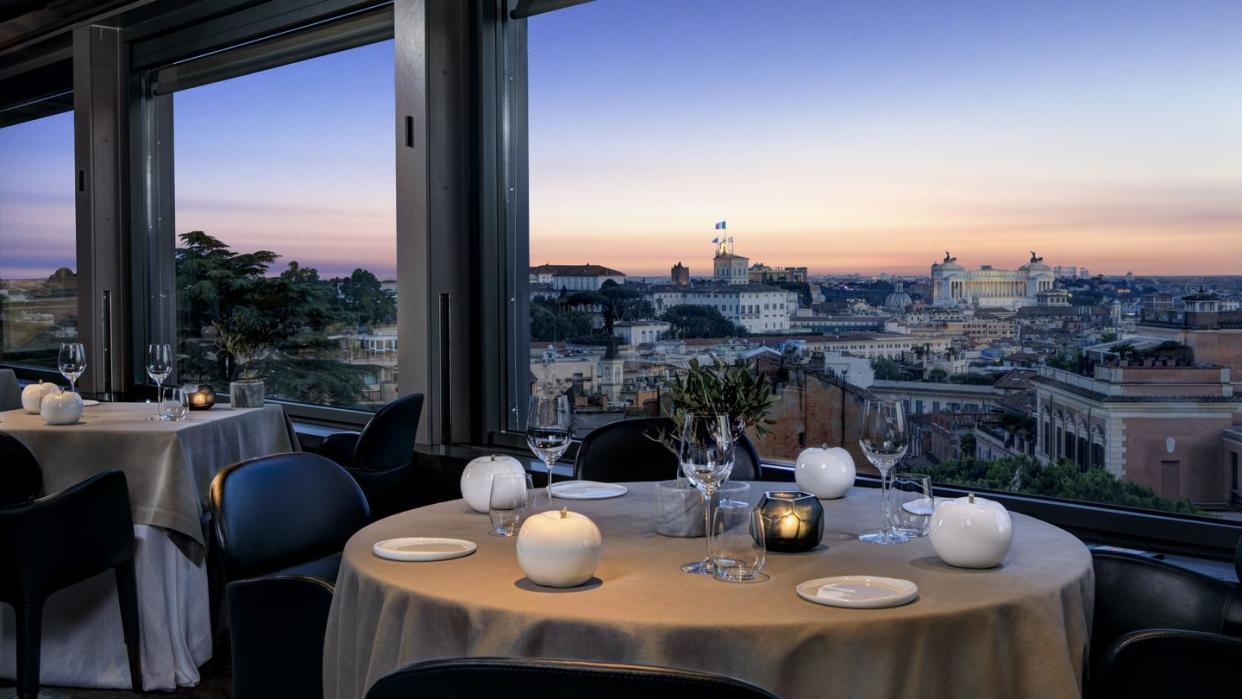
(587, 270)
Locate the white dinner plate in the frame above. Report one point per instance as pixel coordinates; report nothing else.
(859, 591)
(423, 548)
(587, 490)
(89, 403)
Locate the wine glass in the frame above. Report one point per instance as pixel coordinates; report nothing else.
(549, 429)
(72, 362)
(159, 366)
(885, 439)
(706, 456)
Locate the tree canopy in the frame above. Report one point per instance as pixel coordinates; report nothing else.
(700, 321)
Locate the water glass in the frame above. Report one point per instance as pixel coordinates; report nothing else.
(913, 503)
(509, 502)
(549, 429)
(884, 441)
(175, 404)
(736, 547)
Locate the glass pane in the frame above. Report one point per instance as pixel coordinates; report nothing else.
(1017, 220)
(286, 230)
(38, 248)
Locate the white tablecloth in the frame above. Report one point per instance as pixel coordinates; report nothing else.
(169, 467)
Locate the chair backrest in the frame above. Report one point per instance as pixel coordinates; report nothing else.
(64, 538)
(20, 475)
(522, 678)
(10, 393)
(627, 450)
(387, 441)
(277, 511)
(1134, 593)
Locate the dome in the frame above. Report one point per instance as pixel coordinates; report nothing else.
(899, 300)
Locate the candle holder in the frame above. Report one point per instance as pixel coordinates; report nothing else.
(793, 521)
(199, 396)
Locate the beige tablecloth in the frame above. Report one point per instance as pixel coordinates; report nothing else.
(1016, 631)
(169, 465)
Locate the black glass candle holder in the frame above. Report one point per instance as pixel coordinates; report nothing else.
(199, 397)
(793, 521)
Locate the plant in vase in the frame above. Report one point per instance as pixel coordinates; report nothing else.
(738, 390)
(242, 351)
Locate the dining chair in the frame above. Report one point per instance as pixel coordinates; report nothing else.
(523, 678)
(381, 457)
(1162, 630)
(10, 392)
(279, 525)
(60, 540)
(628, 450)
(20, 475)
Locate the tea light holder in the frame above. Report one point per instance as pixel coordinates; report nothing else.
(793, 521)
(199, 397)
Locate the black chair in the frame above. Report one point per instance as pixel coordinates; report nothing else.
(60, 540)
(280, 523)
(627, 450)
(1159, 626)
(381, 457)
(20, 475)
(520, 678)
(10, 392)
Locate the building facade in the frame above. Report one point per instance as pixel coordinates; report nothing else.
(756, 307)
(586, 277)
(987, 287)
(728, 268)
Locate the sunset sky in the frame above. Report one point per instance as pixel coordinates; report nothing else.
(844, 136)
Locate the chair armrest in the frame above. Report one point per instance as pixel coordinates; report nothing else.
(339, 447)
(1169, 662)
(276, 626)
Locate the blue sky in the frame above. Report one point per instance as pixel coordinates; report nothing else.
(847, 136)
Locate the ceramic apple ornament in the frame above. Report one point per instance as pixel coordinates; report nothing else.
(971, 532)
(32, 396)
(61, 407)
(827, 473)
(559, 548)
(476, 479)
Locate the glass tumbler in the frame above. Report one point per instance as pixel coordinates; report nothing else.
(175, 404)
(736, 547)
(509, 502)
(913, 503)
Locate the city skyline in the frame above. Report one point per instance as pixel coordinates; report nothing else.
(845, 138)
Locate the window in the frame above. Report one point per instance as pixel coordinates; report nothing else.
(286, 230)
(38, 248)
(1036, 152)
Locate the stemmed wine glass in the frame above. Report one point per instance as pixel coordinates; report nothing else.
(549, 429)
(159, 366)
(885, 439)
(72, 362)
(706, 456)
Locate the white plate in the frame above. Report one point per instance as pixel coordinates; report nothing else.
(859, 591)
(89, 403)
(587, 490)
(422, 548)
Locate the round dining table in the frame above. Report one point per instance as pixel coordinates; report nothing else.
(1018, 630)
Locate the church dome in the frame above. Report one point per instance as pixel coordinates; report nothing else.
(899, 300)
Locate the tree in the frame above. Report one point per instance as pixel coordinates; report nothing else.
(700, 321)
(366, 300)
(550, 322)
(887, 369)
(938, 375)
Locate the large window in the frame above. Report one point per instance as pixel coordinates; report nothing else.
(1019, 220)
(286, 232)
(38, 254)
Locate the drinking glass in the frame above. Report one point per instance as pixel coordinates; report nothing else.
(706, 456)
(72, 362)
(509, 502)
(737, 546)
(885, 439)
(159, 366)
(549, 429)
(912, 503)
(175, 405)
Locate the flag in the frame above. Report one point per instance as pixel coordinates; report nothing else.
(716, 240)
(720, 225)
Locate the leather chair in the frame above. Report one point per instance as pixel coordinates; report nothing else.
(1160, 626)
(10, 392)
(20, 478)
(521, 678)
(627, 450)
(280, 523)
(60, 540)
(381, 457)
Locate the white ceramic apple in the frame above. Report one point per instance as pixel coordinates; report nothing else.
(476, 480)
(559, 548)
(826, 473)
(32, 396)
(61, 407)
(971, 532)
